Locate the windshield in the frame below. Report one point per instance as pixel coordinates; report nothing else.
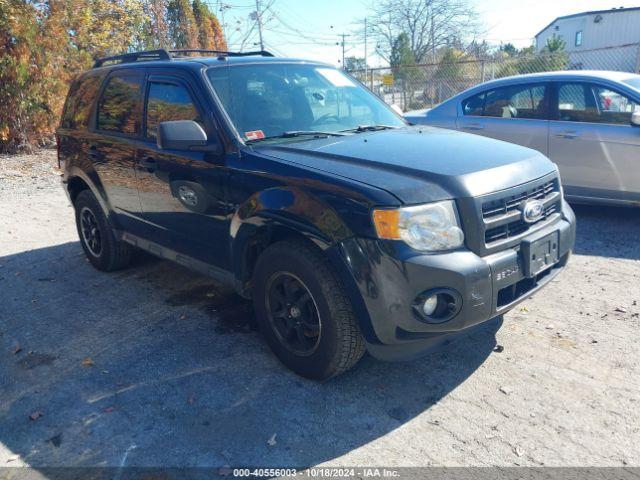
(267, 100)
(633, 81)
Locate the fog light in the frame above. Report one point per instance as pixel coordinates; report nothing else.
(437, 305)
(430, 305)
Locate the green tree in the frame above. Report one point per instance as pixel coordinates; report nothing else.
(509, 49)
(352, 64)
(403, 66)
(552, 57)
(402, 59)
(448, 78)
(555, 44)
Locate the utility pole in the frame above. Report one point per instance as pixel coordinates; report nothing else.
(366, 51)
(343, 35)
(222, 7)
(259, 20)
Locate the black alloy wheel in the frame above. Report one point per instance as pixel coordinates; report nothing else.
(293, 313)
(90, 232)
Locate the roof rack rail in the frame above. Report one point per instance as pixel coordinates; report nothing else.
(262, 53)
(162, 54)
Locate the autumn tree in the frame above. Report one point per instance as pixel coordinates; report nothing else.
(20, 99)
(210, 35)
(182, 24)
(155, 33)
(44, 44)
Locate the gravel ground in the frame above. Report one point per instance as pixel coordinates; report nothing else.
(158, 366)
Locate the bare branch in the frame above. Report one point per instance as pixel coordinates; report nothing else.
(429, 24)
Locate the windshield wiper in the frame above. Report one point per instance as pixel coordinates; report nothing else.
(369, 128)
(299, 133)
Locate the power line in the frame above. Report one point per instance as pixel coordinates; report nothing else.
(292, 30)
(315, 35)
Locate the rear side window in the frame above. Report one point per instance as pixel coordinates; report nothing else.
(82, 95)
(119, 106)
(166, 102)
(579, 102)
(516, 101)
(474, 105)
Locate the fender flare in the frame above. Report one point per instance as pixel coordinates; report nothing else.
(274, 210)
(92, 180)
(285, 208)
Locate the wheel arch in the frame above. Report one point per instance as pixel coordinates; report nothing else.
(254, 229)
(276, 214)
(78, 180)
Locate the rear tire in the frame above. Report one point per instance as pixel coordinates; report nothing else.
(99, 243)
(313, 329)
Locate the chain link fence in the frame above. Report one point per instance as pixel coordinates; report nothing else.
(423, 86)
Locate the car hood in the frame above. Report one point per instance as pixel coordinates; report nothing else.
(419, 164)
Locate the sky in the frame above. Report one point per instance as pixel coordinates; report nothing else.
(311, 28)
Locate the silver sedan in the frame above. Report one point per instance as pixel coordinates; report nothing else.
(588, 123)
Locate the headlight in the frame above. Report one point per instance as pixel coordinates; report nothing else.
(429, 228)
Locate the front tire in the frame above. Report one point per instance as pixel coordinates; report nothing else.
(304, 313)
(99, 243)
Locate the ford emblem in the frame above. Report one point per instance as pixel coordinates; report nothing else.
(532, 211)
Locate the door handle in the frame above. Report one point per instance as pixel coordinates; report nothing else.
(149, 164)
(473, 126)
(569, 134)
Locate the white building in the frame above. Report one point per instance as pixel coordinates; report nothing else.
(598, 40)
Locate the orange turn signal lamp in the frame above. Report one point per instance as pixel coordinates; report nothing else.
(387, 223)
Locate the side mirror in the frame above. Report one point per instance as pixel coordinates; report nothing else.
(181, 135)
(635, 117)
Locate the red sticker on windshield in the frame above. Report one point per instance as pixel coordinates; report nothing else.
(254, 135)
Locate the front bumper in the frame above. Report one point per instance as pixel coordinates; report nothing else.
(390, 276)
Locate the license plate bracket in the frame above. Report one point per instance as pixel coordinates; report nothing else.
(540, 254)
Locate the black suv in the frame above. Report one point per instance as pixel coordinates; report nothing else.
(289, 180)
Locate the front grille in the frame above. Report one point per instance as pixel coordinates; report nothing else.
(503, 218)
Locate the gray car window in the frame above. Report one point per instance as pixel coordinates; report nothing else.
(515, 101)
(473, 105)
(614, 107)
(581, 102)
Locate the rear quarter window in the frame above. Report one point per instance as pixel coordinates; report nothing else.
(80, 101)
(473, 106)
(119, 106)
